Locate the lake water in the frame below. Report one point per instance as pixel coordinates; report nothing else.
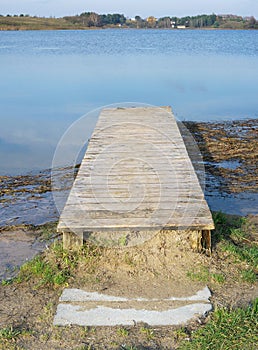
(49, 79)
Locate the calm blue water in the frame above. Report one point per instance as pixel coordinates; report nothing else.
(49, 79)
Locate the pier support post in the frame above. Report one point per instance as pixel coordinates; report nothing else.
(72, 240)
(206, 241)
(200, 241)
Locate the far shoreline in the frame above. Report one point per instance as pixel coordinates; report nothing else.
(92, 20)
(124, 28)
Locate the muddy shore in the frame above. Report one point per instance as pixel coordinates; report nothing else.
(229, 151)
(27, 307)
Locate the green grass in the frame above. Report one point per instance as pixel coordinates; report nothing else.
(181, 334)
(228, 329)
(123, 332)
(204, 275)
(248, 276)
(148, 332)
(31, 23)
(233, 236)
(47, 272)
(225, 225)
(57, 265)
(248, 254)
(123, 241)
(7, 281)
(9, 333)
(217, 277)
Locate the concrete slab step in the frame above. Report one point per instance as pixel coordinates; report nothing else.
(80, 307)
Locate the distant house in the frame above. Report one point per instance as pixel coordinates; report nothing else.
(249, 18)
(230, 16)
(181, 27)
(152, 19)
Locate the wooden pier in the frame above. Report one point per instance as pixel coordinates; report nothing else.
(136, 176)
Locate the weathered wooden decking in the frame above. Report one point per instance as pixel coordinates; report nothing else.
(136, 175)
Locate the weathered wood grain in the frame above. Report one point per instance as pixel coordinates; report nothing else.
(136, 174)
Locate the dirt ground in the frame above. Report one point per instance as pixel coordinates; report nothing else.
(161, 267)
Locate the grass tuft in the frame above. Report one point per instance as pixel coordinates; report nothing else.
(204, 275)
(123, 332)
(225, 224)
(233, 236)
(54, 267)
(248, 276)
(9, 333)
(149, 333)
(228, 329)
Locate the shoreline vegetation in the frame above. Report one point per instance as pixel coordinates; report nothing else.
(29, 297)
(230, 273)
(92, 20)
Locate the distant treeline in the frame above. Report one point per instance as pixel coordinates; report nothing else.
(93, 20)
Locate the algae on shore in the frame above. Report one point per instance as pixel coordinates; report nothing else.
(229, 151)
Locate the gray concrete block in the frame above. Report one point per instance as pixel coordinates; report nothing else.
(68, 314)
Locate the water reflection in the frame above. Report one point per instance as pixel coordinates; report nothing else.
(50, 79)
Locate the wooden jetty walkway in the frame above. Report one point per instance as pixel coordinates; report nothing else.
(136, 175)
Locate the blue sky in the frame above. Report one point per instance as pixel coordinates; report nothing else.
(129, 8)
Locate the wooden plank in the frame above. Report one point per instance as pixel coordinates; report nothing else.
(136, 174)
